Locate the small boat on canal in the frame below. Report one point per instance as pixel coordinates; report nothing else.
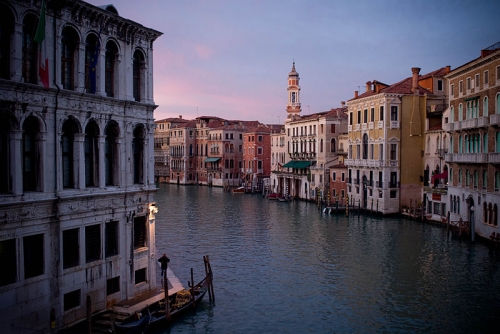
(179, 303)
(239, 190)
(136, 324)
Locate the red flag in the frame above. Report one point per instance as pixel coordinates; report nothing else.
(43, 60)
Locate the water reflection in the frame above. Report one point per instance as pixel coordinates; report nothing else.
(285, 267)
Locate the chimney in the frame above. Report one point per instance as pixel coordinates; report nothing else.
(368, 86)
(180, 116)
(448, 69)
(414, 84)
(342, 103)
(355, 94)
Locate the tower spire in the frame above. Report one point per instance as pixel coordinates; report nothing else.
(293, 103)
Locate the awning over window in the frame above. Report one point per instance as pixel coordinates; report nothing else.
(298, 164)
(443, 175)
(212, 159)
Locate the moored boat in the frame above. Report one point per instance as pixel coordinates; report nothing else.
(136, 324)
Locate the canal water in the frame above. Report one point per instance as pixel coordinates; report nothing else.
(288, 268)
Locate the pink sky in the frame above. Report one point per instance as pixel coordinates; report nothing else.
(231, 59)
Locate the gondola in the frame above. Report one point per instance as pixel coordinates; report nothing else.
(133, 325)
(179, 302)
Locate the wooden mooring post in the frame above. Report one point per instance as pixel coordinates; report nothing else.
(209, 275)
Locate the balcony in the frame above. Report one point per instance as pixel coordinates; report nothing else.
(494, 158)
(495, 119)
(448, 127)
(356, 127)
(363, 126)
(393, 184)
(370, 126)
(441, 152)
(380, 124)
(394, 124)
(470, 123)
(467, 157)
(483, 121)
(349, 128)
(378, 184)
(440, 189)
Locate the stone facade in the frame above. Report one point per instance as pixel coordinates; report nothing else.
(474, 142)
(78, 216)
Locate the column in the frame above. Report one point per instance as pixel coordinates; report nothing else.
(102, 162)
(17, 53)
(79, 162)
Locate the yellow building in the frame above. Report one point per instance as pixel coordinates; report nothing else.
(386, 131)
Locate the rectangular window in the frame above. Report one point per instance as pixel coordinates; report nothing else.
(342, 177)
(393, 152)
(476, 81)
(498, 73)
(359, 117)
(371, 151)
(112, 285)
(372, 114)
(92, 243)
(71, 300)
(460, 87)
(140, 276)
(365, 116)
(393, 193)
(350, 118)
(71, 246)
(111, 235)
(33, 255)
(260, 138)
(334, 176)
(486, 77)
(332, 128)
(394, 113)
(468, 84)
(452, 89)
(8, 261)
(342, 194)
(259, 150)
(440, 85)
(140, 232)
(381, 113)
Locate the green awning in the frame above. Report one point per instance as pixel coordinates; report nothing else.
(298, 164)
(472, 98)
(302, 164)
(212, 159)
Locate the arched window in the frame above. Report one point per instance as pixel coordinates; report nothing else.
(138, 76)
(138, 151)
(190, 150)
(69, 41)
(485, 143)
(6, 30)
(226, 163)
(460, 112)
(333, 145)
(69, 129)
(31, 154)
(452, 114)
(110, 66)
(321, 145)
(6, 126)
(485, 106)
(91, 155)
(111, 154)
(365, 146)
(231, 163)
(490, 214)
(485, 179)
(91, 61)
(29, 49)
(497, 104)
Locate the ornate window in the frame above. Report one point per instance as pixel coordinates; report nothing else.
(91, 155)
(138, 76)
(91, 61)
(31, 154)
(110, 66)
(70, 128)
(69, 41)
(29, 49)
(111, 154)
(6, 30)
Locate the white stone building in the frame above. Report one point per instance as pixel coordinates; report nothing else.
(76, 188)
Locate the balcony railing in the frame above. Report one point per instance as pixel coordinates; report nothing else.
(356, 127)
(467, 157)
(441, 152)
(394, 124)
(393, 184)
(483, 121)
(380, 124)
(494, 158)
(363, 126)
(495, 119)
(469, 123)
(448, 127)
(370, 126)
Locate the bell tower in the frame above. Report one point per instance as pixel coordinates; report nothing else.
(293, 104)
